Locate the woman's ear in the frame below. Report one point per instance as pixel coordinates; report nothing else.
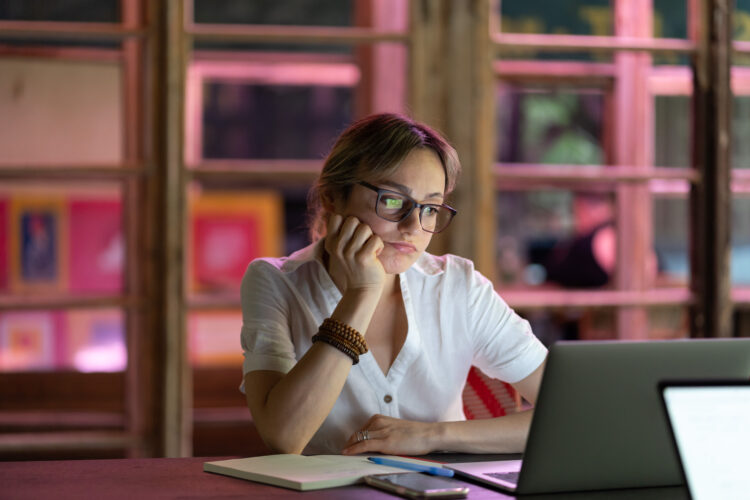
(327, 202)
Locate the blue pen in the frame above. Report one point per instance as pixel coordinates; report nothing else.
(435, 471)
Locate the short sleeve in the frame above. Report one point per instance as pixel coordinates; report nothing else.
(504, 345)
(265, 336)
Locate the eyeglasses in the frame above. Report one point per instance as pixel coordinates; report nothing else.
(395, 207)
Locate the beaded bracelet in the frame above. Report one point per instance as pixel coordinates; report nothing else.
(338, 345)
(343, 337)
(342, 332)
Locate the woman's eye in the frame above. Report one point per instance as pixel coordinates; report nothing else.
(393, 203)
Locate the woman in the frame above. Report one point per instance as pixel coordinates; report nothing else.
(362, 342)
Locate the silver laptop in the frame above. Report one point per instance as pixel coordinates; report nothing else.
(710, 423)
(599, 423)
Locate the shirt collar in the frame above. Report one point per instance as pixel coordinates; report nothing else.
(311, 253)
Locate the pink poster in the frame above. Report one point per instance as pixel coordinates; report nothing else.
(223, 246)
(3, 245)
(96, 246)
(28, 341)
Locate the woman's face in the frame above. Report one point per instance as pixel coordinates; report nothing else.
(420, 176)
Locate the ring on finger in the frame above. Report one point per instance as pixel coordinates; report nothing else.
(366, 434)
(360, 436)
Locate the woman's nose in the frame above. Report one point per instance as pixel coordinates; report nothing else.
(412, 222)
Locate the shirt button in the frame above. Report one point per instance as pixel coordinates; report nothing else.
(387, 398)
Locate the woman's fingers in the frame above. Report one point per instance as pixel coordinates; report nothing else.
(343, 229)
(355, 248)
(373, 246)
(359, 237)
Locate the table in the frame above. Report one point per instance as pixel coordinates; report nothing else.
(183, 478)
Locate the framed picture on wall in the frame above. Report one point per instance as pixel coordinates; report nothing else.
(227, 231)
(95, 341)
(214, 338)
(97, 250)
(28, 341)
(38, 244)
(3, 243)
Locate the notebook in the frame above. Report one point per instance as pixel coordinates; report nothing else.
(299, 472)
(598, 422)
(710, 424)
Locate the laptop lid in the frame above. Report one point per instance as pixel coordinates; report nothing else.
(598, 422)
(710, 424)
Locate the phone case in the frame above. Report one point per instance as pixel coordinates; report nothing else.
(418, 485)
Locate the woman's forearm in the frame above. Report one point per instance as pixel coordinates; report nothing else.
(296, 405)
(505, 434)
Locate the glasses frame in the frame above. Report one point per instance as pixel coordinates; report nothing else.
(415, 204)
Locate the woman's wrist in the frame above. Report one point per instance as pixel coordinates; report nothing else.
(438, 436)
(356, 308)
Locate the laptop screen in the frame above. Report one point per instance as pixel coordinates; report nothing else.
(710, 424)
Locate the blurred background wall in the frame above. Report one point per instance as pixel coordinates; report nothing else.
(150, 150)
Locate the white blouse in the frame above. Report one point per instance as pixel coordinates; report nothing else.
(455, 320)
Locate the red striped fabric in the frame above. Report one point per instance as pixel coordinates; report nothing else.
(485, 397)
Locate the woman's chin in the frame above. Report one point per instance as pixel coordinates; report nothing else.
(397, 263)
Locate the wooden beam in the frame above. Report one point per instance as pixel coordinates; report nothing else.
(72, 172)
(381, 87)
(140, 395)
(426, 79)
(305, 35)
(167, 228)
(37, 302)
(46, 441)
(464, 64)
(710, 202)
(61, 419)
(564, 299)
(59, 30)
(594, 44)
(590, 173)
(633, 20)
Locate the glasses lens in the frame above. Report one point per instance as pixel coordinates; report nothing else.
(392, 207)
(435, 218)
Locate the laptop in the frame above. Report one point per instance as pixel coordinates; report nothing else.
(599, 423)
(709, 423)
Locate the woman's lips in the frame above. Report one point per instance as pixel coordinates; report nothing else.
(402, 247)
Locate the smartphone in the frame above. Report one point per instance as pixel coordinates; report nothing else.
(418, 485)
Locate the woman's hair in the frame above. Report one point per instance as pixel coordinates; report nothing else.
(369, 150)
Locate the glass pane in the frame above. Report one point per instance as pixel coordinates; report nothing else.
(670, 322)
(245, 120)
(214, 338)
(280, 12)
(103, 11)
(740, 132)
(670, 19)
(79, 340)
(671, 240)
(62, 240)
(740, 237)
(589, 17)
(741, 19)
(60, 112)
(672, 130)
(556, 238)
(543, 125)
(572, 324)
(229, 228)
